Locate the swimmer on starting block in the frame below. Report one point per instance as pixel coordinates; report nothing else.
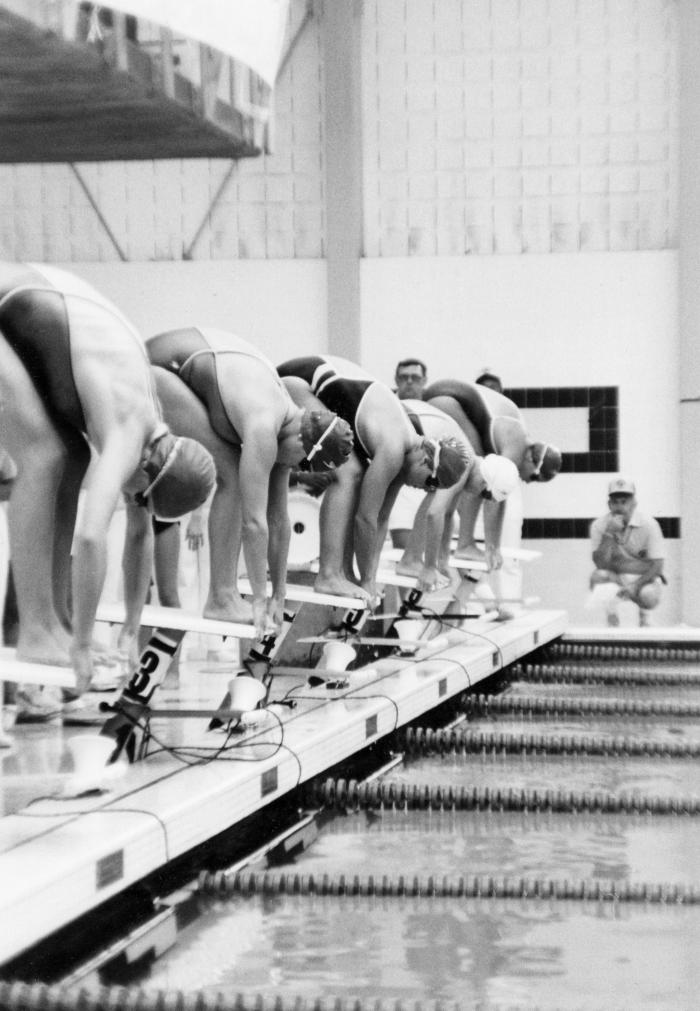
(428, 548)
(387, 453)
(75, 381)
(219, 389)
(494, 425)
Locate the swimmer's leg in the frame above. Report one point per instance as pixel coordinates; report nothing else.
(336, 526)
(28, 434)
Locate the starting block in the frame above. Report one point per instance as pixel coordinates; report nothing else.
(468, 564)
(181, 621)
(24, 672)
(169, 625)
(307, 595)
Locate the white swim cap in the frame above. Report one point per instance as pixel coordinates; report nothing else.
(501, 476)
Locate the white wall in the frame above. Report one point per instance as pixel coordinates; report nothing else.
(277, 305)
(607, 319)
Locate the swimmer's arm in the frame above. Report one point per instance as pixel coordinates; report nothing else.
(257, 461)
(8, 474)
(137, 562)
(279, 531)
(494, 513)
(117, 461)
(378, 491)
(438, 503)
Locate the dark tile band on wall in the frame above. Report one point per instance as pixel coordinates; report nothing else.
(568, 528)
(603, 423)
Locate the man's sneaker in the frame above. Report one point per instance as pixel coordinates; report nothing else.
(38, 704)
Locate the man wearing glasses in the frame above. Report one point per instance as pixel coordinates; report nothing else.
(410, 379)
(628, 552)
(387, 453)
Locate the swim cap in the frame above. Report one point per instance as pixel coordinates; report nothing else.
(548, 461)
(182, 474)
(501, 476)
(326, 438)
(447, 459)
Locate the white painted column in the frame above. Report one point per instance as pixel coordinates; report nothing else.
(343, 152)
(689, 308)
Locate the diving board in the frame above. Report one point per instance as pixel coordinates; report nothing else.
(468, 564)
(394, 555)
(307, 595)
(175, 618)
(24, 672)
(386, 576)
(390, 577)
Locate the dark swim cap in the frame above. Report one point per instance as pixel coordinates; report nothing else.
(447, 460)
(548, 462)
(326, 438)
(182, 474)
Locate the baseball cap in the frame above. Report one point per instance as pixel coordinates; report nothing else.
(501, 476)
(621, 486)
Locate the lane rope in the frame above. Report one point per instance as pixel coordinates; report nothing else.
(506, 705)
(342, 794)
(471, 887)
(425, 740)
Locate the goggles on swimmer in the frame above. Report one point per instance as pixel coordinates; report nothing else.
(316, 448)
(431, 481)
(141, 497)
(538, 466)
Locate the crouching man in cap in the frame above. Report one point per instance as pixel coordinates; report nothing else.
(628, 552)
(76, 385)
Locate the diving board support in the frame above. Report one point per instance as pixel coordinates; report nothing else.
(170, 625)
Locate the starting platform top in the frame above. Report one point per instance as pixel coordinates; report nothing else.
(24, 672)
(307, 595)
(173, 617)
